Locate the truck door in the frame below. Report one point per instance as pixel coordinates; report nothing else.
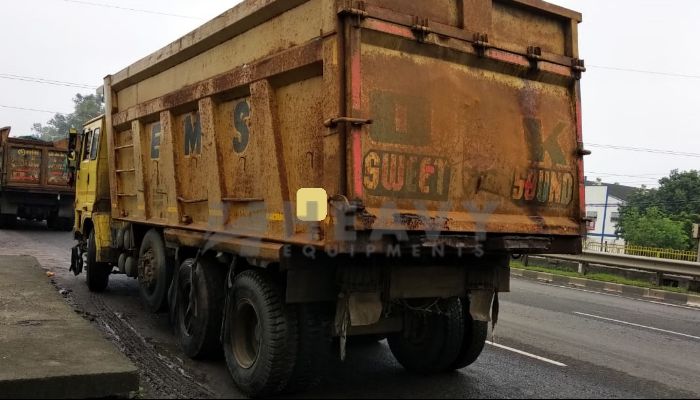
(86, 183)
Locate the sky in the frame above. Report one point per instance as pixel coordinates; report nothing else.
(81, 41)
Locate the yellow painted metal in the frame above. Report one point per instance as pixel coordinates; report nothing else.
(103, 234)
(92, 187)
(643, 251)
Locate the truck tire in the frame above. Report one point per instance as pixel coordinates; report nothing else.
(260, 335)
(430, 342)
(315, 346)
(154, 273)
(96, 274)
(198, 323)
(475, 335)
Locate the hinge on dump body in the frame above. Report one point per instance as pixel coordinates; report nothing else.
(534, 54)
(481, 43)
(354, 8)
(421, 28)
(579, 67)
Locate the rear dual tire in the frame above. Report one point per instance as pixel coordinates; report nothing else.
(199, 307)
(260, 336)
(154, 272)
(437, 343)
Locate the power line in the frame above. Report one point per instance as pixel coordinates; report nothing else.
(662, 174)
(89, 3)
(32, 109)
(45, 81)
(644, 150)
(641, 71)
(656, 177)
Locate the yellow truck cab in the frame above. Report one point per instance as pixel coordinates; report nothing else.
(92, 205)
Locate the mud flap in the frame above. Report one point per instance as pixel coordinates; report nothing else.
(495, 310)
(227, 302)
(481, 303)
(76, 261)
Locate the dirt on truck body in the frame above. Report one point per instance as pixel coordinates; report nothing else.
(296, 173)
(34, 182)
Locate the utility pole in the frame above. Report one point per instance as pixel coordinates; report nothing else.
(696, 236)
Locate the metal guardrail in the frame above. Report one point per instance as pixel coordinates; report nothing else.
(658, 265)
(630, 250)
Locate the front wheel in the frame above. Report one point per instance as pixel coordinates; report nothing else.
(260, 335)
(97, 274)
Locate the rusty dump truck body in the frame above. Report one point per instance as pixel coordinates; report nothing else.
(466, 119)
(34, 181)
(442, 137)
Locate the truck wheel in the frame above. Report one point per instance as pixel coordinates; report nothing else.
(475, 334)
(154, 274)
(199, 307)
(430, 342)
(260, 336)
(315, 346)
(96, 274)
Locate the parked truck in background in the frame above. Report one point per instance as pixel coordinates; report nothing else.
(34, 182)
(298, 172)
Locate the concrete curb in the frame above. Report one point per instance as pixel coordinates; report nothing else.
(46, 349)
(689, 300)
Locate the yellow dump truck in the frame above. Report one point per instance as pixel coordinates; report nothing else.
(296, 173)
(35, 182)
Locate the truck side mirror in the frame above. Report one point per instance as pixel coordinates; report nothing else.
(72, 157)
(72, 139)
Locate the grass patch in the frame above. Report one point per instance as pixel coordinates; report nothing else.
(609, 278)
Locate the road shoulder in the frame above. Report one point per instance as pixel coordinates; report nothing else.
(635, 292)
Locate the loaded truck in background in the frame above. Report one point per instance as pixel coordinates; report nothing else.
(34, 182)
(296, 173)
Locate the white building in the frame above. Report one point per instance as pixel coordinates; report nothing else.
(603, 203)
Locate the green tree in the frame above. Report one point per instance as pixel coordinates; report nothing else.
(677, 198)
(86, 108)
(653, 228)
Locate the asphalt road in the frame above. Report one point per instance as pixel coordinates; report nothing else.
(551, 342)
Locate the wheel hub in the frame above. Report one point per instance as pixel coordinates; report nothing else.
(246, 334)
(148, 270)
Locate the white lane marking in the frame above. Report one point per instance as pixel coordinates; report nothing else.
(638, 326)
(522, 353)
(617, 295)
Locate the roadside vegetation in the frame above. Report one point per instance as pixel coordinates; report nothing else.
(602, 277)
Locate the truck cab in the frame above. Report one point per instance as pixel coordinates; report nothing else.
(92, 201)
